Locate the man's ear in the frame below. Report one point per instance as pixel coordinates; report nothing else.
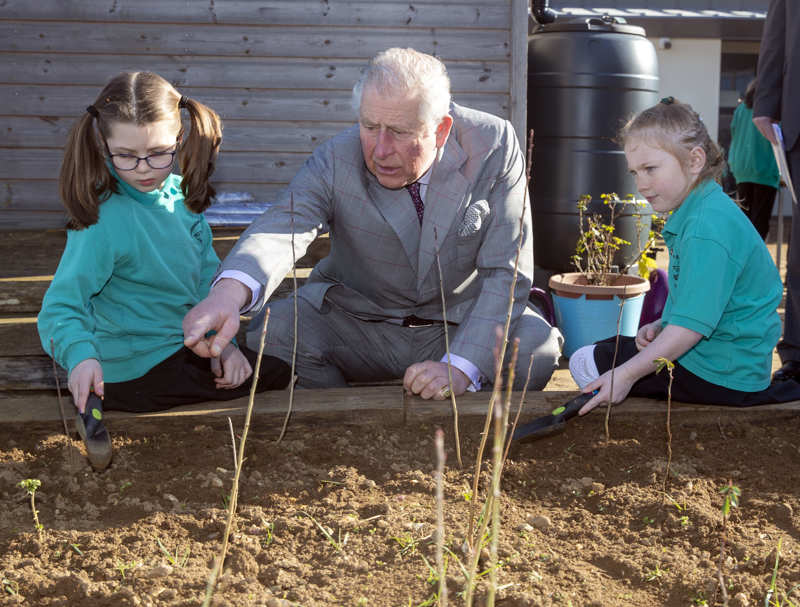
(697, 160)
(443, 131)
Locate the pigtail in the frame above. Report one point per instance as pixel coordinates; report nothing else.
(198, 154)
(84, 181)
(715, 162)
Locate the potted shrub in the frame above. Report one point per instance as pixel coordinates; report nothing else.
(588, 302)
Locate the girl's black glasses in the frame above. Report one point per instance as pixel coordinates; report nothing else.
(129, 162)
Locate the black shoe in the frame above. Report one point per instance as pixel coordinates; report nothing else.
(789, 370)
(93, 432)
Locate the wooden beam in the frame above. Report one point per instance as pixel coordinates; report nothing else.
(358, 13)
(245, 102)
(229, 72)
(309, 41)
(381, 405)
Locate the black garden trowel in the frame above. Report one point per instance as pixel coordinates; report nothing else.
(554, 422)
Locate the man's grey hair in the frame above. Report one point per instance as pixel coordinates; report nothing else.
(408, 72)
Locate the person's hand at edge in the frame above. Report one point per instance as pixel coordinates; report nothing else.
(429, 380)
(231, 368)
(764, 125)
(647, 333)
(218, 312)
(86, 376)
(622, 385)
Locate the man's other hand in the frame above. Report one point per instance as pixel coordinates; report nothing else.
(764, 125)
(429, 380)
(218, 312)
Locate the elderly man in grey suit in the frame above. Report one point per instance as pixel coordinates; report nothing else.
(777, 99)
(417, 177)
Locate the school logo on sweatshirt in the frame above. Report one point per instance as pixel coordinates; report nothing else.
(674, 266)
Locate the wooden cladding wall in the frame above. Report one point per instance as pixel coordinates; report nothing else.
(279, 73)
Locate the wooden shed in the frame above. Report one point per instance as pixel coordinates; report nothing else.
(279, 73)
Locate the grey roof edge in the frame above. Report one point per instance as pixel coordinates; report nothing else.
(678, 23)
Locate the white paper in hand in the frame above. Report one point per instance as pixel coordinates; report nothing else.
(780, 158)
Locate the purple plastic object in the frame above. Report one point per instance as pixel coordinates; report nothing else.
(655, 298)
(542, 298)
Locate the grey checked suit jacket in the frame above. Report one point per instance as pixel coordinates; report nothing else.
(382, 264)
(778, 92)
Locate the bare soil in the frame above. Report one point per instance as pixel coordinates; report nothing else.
(585, 521)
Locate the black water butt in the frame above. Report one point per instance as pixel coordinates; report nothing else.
(585, 79)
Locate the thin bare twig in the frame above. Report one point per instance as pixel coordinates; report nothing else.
(440, 457)
(614, 364)
(499, 350)
(294, 344)
(670, 366)
(232, 503)
(519, 410)
(502, 346)
(497, 451)
(58, 388)
(473, 540)
(233, 442)
(491, 507)
(447, 350)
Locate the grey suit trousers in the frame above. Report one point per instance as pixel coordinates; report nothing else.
(335, 348)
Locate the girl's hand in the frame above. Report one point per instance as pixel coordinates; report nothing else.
(86, 376)
(231, 368)
(646, 334)
(622, 385)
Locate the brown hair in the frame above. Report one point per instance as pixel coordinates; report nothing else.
(676, 128)
(137, 98)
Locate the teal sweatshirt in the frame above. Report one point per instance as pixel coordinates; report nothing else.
(750, 158)
(124, 284)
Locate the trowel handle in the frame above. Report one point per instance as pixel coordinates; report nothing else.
(569, 410)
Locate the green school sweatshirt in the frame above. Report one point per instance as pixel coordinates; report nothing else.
(750, 158)
(124, 284)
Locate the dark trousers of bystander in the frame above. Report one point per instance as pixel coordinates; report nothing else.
(789, 346)
(186, 378)
(757, 201)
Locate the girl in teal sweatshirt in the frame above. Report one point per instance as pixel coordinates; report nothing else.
(138, 256)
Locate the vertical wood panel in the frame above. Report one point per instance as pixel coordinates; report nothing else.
(519, 69)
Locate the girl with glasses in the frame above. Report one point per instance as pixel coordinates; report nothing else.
(138, 256)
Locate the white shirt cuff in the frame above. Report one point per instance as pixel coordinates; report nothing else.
(467, 368)
(246, 280)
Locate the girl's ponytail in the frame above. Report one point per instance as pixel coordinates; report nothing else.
(198, 154)
(84, 176)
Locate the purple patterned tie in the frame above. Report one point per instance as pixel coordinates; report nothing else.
(413, 189)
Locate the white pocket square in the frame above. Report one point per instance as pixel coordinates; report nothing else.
(473, 218)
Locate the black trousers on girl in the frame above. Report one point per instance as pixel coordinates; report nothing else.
(186, 378)
(686, 386)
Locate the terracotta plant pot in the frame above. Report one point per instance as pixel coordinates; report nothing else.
(588, 313)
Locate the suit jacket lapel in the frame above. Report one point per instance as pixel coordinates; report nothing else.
(444, 198)
(398, 211)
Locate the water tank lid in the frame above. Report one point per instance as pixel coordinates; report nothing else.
(606, 23)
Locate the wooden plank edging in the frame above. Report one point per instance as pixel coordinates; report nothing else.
(382, 404)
